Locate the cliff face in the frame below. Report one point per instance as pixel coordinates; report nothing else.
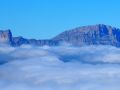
(5, 37)
(91, 35)
(86, 35)
(18, 41)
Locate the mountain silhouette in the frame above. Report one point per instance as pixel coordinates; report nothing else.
(99, 34)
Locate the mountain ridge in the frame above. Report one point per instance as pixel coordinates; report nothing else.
(99, 34)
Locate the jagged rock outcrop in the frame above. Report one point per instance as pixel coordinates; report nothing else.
(87, 35)
(5, 37)
(18, 41)
(91, 35)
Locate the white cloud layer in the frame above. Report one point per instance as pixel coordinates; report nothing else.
(60, 68)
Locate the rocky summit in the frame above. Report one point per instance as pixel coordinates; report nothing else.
(86, 35)
(91, 35)
(5, 37)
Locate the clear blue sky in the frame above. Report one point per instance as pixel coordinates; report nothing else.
(46, 18)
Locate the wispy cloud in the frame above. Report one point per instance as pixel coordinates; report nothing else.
(60, 68)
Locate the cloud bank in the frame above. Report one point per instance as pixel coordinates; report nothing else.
(59, 68)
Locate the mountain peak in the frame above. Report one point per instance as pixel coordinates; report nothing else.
(102, 25)
(5, 36)
(99, 34)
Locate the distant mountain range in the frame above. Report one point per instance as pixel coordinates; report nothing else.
(99, 34)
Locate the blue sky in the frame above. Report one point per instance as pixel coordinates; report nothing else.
(44, 19)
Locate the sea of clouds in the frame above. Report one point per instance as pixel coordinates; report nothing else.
(59, 68)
